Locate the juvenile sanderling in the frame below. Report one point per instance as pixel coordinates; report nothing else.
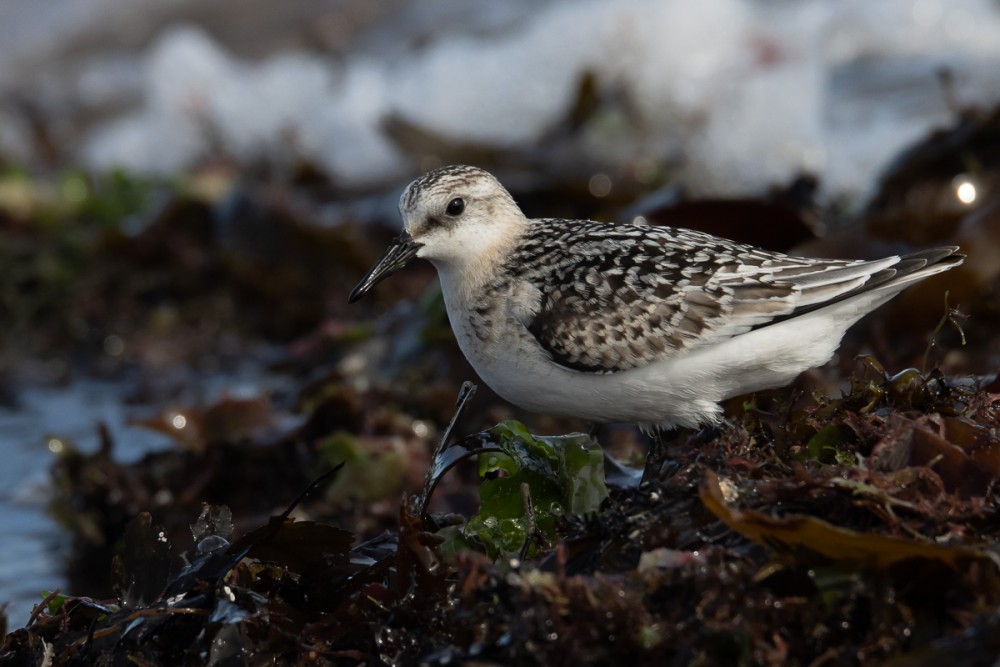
(627, 323)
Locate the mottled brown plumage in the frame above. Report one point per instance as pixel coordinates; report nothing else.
(613, 297)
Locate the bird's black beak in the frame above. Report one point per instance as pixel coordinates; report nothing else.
(396, 256)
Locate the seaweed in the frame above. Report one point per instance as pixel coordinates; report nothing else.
(851, 518)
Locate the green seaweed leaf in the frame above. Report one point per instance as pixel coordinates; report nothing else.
(554, 475)
(829, 445)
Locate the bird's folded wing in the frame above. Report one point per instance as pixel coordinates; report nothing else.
(604, 314)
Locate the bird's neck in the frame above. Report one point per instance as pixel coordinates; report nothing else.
(465, 275)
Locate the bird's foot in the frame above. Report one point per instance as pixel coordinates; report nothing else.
(704, 436)
(656, 457)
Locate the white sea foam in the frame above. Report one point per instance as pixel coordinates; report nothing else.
(744, 93)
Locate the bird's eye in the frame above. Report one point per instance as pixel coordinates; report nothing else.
(455, 206)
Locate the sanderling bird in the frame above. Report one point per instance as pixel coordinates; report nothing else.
(628, 323)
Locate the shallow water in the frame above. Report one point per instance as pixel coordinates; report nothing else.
(33, 544)
(31, 550)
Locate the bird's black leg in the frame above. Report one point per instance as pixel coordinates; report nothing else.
(655, 456)
(659, 463)
(706, 434)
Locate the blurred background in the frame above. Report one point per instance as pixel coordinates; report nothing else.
(189, 190)
(736, 96)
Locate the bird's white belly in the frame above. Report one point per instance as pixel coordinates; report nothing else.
(513, 364)
(681, 391)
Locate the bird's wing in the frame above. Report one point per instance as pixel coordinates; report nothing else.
(614, 297)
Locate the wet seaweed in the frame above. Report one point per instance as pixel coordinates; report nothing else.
(851, 518)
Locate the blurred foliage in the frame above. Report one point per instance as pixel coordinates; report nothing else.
(168, 267)
(51, 234)
(76, 198)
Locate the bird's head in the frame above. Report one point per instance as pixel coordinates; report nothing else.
(457, 217)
